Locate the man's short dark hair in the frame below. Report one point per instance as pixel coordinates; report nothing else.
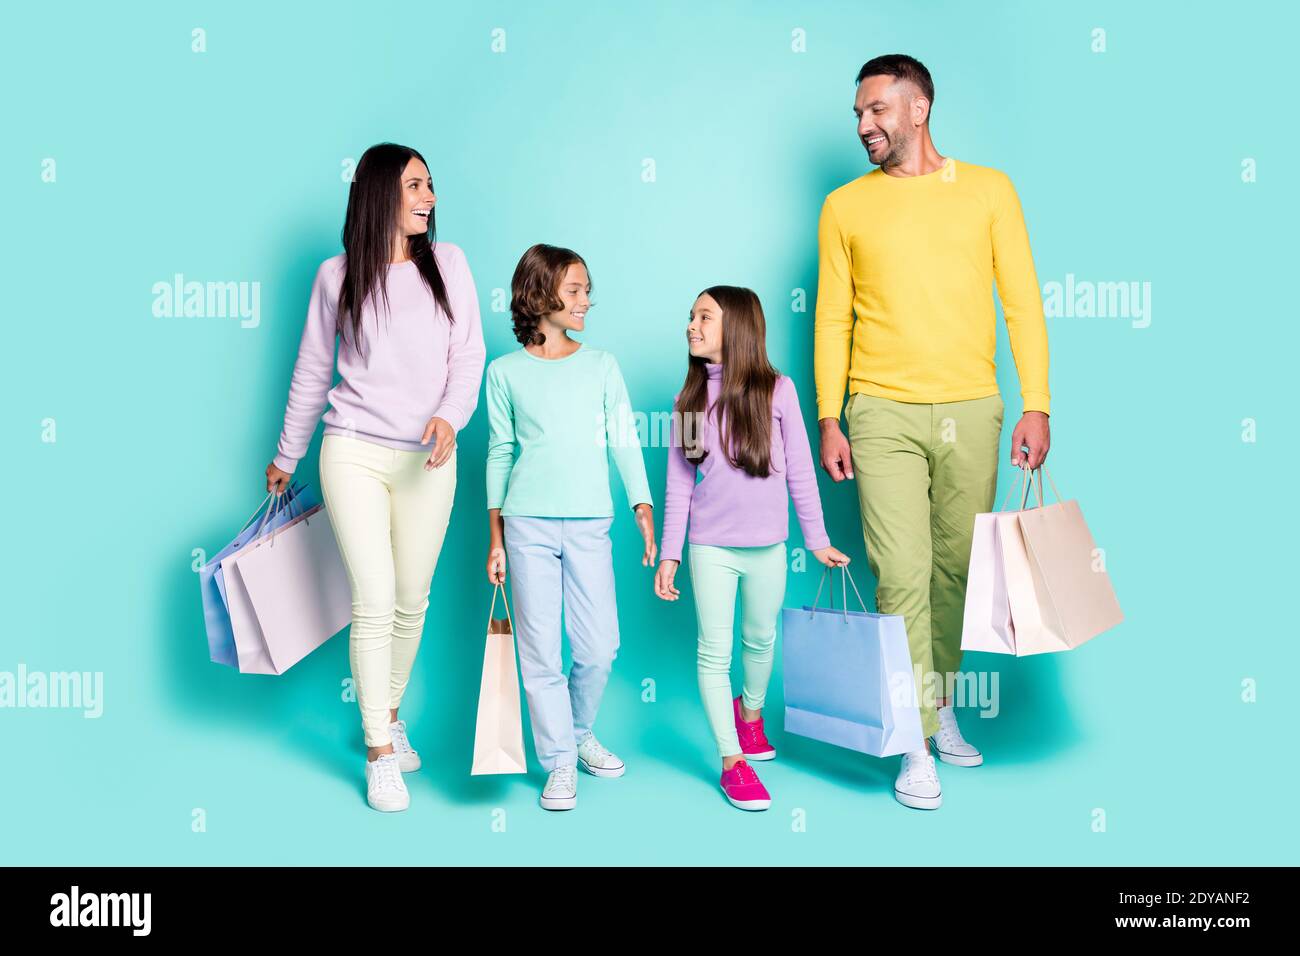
(902, 66)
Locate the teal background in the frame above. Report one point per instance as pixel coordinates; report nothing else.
(227, 165)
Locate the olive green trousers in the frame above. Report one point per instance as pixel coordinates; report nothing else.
(923, 473)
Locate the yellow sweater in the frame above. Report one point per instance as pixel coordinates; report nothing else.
(915, 258)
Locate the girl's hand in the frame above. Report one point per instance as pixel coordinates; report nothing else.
(664, 580)
(831, 557)
(277, 480)
(496, 566)
(645, 521)
(440, 429)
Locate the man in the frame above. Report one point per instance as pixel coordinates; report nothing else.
(912, 249)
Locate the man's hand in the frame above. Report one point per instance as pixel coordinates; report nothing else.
(837, 457)
(645, 522)
(440, 429)
(1032, 433)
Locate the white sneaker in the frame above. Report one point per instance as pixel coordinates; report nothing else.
(598, 761)
(918, 782)
(950, 745)
(408, 758)
(384, 787)
(561, 790)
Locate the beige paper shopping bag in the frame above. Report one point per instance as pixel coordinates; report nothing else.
(1033, 618)
(499, 730)
(1059, 594)
(1069, 574)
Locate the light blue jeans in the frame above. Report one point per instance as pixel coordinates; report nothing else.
(562, 566)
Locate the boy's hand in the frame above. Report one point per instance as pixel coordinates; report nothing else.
(645, 521)
(496, 566)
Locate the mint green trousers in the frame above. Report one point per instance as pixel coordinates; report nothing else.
(923, 473)
(716, 575)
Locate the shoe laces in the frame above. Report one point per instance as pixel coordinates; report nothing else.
(744, 772)
(562, 778)
(919, 767)
(752, 729)
(386, 774)
(593, 748)
(949, 732)
(397, 731)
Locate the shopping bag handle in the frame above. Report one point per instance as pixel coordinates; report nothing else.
(292, 503)
(1019, 482)
(500, 587)
(844, 568)
(1027, 477)
(288, 498)
(1043, 471)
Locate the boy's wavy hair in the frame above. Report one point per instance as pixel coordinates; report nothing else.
(534, 289)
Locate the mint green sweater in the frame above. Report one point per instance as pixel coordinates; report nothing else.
(553, 425)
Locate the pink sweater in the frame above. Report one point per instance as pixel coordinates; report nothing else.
(731, 508)
(417, 367)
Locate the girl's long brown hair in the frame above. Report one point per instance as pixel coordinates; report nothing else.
(374, 203)
(744, 406)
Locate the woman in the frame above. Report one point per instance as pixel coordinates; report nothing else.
(404, 312)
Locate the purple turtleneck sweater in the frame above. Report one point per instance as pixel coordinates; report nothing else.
(730, 508)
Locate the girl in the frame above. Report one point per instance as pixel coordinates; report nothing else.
(410, 377)
(557, 409)
(736, 423)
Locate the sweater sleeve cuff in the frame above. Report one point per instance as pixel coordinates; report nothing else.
(818, 540)
(829, 410)
(451, 414)
(287, 465)
(1037, 402)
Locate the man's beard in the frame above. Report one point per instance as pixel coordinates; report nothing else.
(899, 150)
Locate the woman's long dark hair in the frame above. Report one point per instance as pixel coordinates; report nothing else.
(744, 405)
(374, 208)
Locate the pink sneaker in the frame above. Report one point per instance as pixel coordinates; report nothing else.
(753, 742)
(744, 789)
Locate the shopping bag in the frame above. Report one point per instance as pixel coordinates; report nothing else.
(499, 729)
(1035, 584)
(274, 511)
(987, 623)
(288, 593)
(1072, 594)
(848, 677)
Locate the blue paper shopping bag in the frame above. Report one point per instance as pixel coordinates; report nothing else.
(279, 509)
(848, 678)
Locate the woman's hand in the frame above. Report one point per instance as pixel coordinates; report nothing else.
(832, 557)
(664, 580)
(440, 429)
(496, 566)
(645, 521)
(277, 480)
